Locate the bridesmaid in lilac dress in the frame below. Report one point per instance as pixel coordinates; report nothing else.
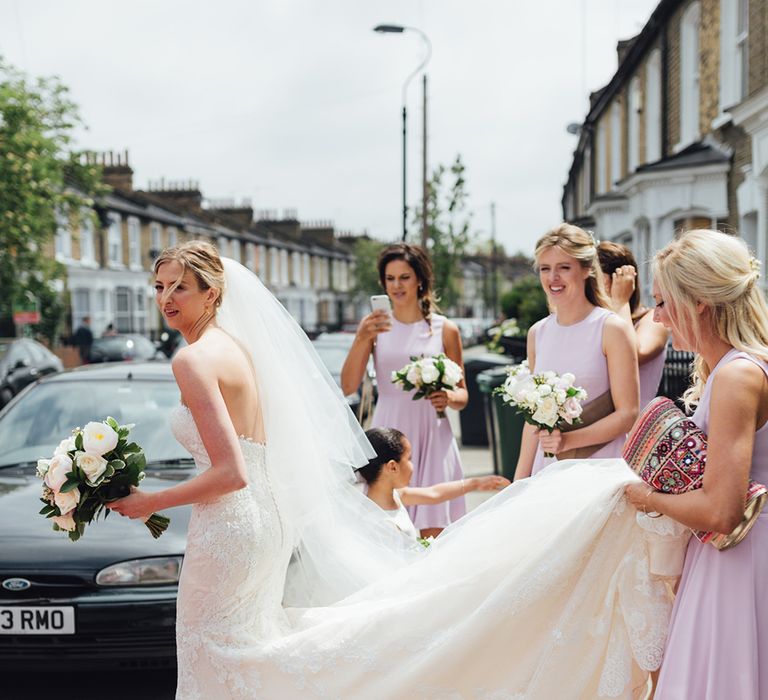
(584, 337)
(707, 293)
(620, 278)
(414, 329)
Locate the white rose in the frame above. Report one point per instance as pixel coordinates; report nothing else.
(395, 378)
(42, 467)
(571, 409)
(93, 466)
(57, 471)
(65, 522)
(544, 390)
(568, 378)
(549, 375)
(547, 412)
(560, 396)
(429, 373)
(67, 501)
(66, 445)
(414, 374)
(99, 438)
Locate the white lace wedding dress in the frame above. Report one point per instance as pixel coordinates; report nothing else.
(543, 592)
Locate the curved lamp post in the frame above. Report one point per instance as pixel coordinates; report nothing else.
(399, 29)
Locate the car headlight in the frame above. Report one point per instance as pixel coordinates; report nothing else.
(141, 572)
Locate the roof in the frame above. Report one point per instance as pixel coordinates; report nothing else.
(700, 153)
(146, 371)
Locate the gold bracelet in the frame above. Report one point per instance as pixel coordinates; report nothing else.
(653, 513)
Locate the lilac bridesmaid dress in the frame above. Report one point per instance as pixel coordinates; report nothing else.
(650, 377)
(435, 453)
(717, 648)
(578, 349)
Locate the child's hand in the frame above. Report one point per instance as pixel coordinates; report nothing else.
(491, 483)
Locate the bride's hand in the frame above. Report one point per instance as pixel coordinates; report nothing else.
(374, 323)
(637, 495)
(551, 443)
(136, 505)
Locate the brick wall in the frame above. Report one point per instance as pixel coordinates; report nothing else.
(758, 45)
(673, 81)
(709, 66)
(741, 144)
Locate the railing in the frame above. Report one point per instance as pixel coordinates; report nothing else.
(676, 375)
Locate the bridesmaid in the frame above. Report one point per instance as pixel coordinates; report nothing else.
(405, 273)
(620, 278)
(584, 337)
(707, 293)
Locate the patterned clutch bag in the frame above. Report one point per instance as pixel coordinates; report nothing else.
(669, 452)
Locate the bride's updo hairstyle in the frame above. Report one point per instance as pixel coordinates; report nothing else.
(202, 260)
(388, 443)
(579, 244)
(715, 269)
(418, 259)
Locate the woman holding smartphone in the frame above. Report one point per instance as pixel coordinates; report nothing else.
(412, 328)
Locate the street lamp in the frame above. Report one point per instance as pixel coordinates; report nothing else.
(399, 29)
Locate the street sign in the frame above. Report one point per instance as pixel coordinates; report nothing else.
(26, 311)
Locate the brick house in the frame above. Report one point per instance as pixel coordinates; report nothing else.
(679, 137)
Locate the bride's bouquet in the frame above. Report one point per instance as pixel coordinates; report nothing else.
(93, 466)
(428, 375)
(545, 400)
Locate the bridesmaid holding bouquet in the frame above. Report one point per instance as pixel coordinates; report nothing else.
(413, 329)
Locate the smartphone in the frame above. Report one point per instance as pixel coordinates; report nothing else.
(381, 302)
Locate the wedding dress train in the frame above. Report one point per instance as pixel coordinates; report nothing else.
(543, 592)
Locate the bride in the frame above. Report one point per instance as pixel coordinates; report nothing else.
(293, 585)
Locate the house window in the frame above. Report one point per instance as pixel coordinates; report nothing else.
(115, 238)
(81, 306)
(284, 279)
(123, 310)
(274, 266)
(87, 254)
(235, 250)
(140, 321)
(263, 263)
(172, 237)
(250, 256)
(63, 241)
(742, 48)
(615, 143)
(653, 107)
(689, 75)
(134, 243)
(155, 244)
(734, 52)
(602, 159)
(221, 244)
(633, 147)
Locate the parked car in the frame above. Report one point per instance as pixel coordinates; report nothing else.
(110, 598)
(472, 330)
(23, 361)
(333, 349)
(121, 348)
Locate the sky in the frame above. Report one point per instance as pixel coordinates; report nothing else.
(296, 104)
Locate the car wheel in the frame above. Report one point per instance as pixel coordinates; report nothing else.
(5, 396)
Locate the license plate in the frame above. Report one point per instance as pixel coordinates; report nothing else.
(37, 620)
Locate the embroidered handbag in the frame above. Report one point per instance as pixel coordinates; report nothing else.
(669, 452)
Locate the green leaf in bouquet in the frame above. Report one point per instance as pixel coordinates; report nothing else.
(47, 509)
(116, 465)
(131, 448)
(79, 441)
(70, 484)
(137, 459)
(112, 423)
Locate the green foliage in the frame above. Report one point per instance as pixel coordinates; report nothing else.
(526, 302)
(448, 226)
(366, 252)
(40, 175)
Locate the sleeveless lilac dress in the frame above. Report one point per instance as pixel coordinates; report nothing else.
(717, 646)
(578, 349)
(435, 453)
(650, 376)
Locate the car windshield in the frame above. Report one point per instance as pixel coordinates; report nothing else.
(118, 345)
(33, 427)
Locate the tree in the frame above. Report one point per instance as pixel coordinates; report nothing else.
(41, 177)
(448, 227)
(366, 252)
(526, 302)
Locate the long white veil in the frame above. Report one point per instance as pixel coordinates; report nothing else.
(314, 443)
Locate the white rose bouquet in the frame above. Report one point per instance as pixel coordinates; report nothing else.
(93, 466)
(428, 375)
(545, 400)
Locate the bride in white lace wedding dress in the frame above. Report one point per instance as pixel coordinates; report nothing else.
(542, 592)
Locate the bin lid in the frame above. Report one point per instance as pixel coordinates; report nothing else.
(489, 379)
(487, 360)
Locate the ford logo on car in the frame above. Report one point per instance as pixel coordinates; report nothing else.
(16, 584)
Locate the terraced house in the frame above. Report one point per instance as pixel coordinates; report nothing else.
(679, 137)
(109, 256)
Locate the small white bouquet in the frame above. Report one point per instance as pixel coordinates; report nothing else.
(545, 400)
(428, 375)
(93, 466)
